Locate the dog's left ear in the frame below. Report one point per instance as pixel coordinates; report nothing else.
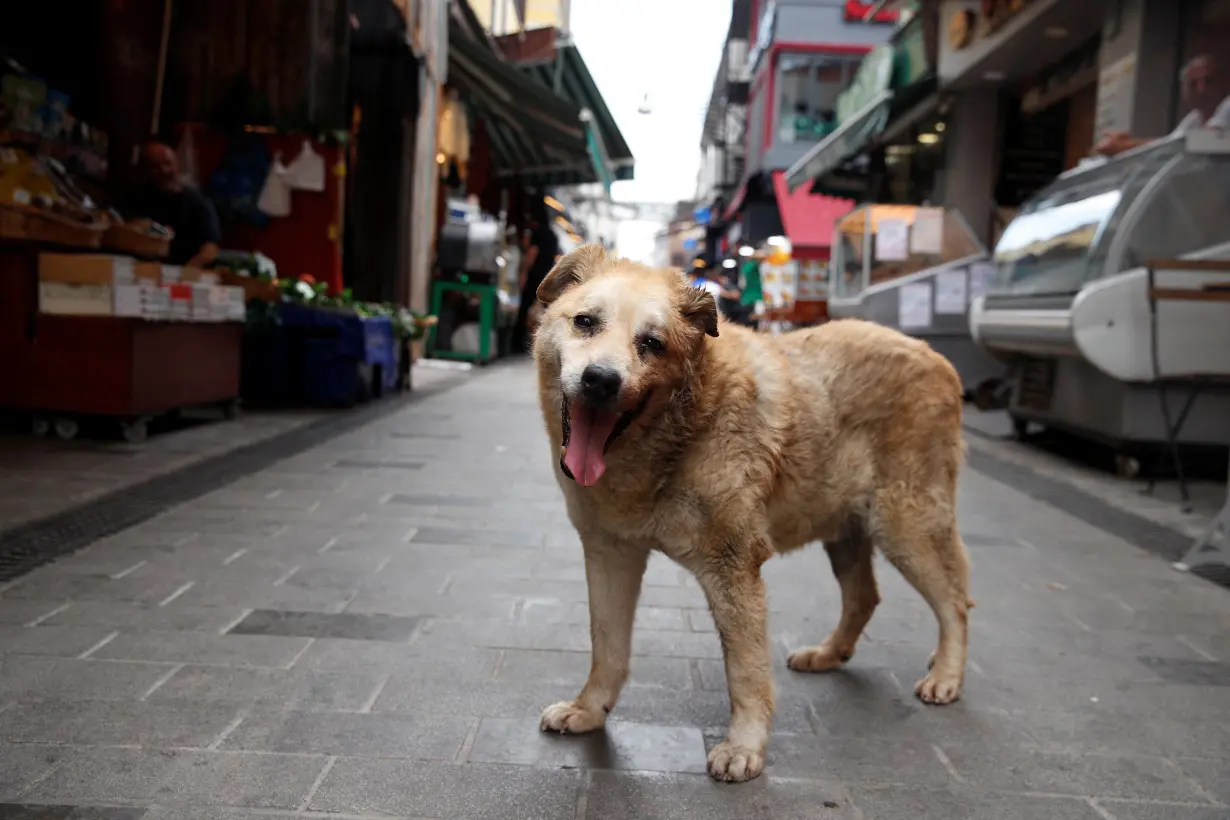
(700, 309)
(573, 268)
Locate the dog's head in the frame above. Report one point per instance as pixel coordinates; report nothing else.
(620, 333)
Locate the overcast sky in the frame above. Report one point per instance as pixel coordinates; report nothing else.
(669, 49)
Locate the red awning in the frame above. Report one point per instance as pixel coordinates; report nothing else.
(808, 218)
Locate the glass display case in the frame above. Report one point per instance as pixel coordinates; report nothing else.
(918, 238)
(1157, 202)
(913, 268)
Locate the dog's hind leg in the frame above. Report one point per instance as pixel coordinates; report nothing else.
(613, 572)
(928, 551)
(851, 560)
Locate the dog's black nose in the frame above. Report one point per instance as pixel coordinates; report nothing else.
(600, 384)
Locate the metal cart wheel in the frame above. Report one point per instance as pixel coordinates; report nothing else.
(1126, 466)
(40, 426)
(135, 431)
(66, 428)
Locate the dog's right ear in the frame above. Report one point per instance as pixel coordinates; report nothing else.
(572, 269)
(700, 308)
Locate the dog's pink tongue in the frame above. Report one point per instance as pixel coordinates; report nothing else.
(590, 430)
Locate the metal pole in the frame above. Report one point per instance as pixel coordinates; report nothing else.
(162, 68)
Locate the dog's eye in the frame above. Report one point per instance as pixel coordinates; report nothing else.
(583, 321)
(652, 344)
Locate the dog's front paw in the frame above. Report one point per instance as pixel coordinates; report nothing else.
(571, 719)
(820, 658)
(938, 689)
(735, 764)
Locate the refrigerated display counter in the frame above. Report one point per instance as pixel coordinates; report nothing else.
(1072, 306)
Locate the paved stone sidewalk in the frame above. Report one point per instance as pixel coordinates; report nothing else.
(372, 628)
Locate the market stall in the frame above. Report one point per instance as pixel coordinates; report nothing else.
(914, 268)
(1071, 306)
(95, 324)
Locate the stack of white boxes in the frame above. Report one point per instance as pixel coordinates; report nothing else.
(119, 286)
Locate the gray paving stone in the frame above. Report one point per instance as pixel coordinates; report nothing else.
(212, 813)
(1193, 673)
(472, 792)
(113, 615)
(521, 667)
(18, 612)
(460, 663)
(485, 538)
(542, 613)
(285, 689)
(353, 626)
(374, 464)
(1211, 775)
(38, 678)
(1095, 730)
(100, 723)
(55, 641)
(652, 796)
(620, 745)
(22, 766)
(963, 804)
(422, 736)
(263, 595)
(1163, 811)
(181, 778)
(94, 776)
(854, 760)
(46, 585)
(18, 811)
(1007, 769)
(203, 648)
(474, 698)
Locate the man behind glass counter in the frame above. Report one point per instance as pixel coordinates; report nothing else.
(1198, 89)
(164, 198)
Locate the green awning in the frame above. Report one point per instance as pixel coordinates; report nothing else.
(844, 143)
(567, 75)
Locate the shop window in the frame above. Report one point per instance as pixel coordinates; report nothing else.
(807, 90)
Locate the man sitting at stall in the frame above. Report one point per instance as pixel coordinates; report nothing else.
(164, 198)
(1197, 86)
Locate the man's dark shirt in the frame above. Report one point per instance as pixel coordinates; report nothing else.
(187, 212)
(548, 248)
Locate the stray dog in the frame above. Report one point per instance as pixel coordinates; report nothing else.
(678, 432)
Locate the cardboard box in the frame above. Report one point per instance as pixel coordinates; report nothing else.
(86, 268)
(138, 301)
(175, 274)
(72, 299)
(228, 304)
(178, 301)
(150, 271)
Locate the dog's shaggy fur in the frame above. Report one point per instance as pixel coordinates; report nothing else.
(724, 447)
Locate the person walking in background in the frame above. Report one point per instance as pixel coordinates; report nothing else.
(540, 252)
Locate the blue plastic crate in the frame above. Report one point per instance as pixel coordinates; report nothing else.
(326, 379)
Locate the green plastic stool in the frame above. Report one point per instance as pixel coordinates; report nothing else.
(488, 303)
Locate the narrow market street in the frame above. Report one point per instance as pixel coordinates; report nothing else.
(372, 628)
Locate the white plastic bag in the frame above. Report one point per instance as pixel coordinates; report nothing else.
(306, 172)
(275, 194)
